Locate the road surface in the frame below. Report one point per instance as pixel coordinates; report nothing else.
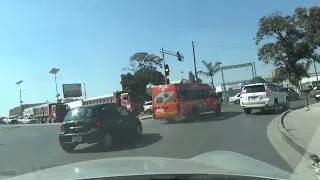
(27, 148)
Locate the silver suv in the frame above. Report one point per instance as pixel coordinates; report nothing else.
(263, 96)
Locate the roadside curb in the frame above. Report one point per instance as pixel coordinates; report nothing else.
(288, 137)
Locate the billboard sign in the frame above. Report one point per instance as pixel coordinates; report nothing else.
(72, 90)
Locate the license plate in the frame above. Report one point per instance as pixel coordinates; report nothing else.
(159, 110)
(254, 98)
(76, 138)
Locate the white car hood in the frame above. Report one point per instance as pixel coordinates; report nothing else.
(216, 162)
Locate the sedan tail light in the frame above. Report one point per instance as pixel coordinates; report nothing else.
(267, 91)
(98, 123)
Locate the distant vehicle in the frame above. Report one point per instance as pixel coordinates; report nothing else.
(293, 95)
(183, 101)
(29, 120)
(132, 101)
(235, 99)
(263, 96)
(148, 107)
(315, 91)
(12, 120)
(20, 119)
(98, 123)
(2, 120)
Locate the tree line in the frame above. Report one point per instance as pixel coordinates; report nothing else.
(290, 43)
(143, 70)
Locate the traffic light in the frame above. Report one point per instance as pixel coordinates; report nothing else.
(166, 69)
(179, 56)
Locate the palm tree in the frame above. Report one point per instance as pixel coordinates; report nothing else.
(211, 69)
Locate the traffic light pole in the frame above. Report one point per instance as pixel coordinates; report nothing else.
(194, 63)
(164, 69)
(177, 54)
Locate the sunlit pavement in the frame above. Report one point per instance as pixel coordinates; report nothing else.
(29, 148)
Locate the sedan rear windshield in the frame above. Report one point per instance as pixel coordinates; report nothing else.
(253, 89)
(79, 114)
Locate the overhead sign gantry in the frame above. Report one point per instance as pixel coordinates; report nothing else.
(253, 68)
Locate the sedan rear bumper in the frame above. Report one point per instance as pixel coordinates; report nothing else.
(93, 136)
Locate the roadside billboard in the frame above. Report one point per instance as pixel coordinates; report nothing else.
(72, 90)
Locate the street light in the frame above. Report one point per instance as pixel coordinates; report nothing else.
(18, 83)
(55, 71)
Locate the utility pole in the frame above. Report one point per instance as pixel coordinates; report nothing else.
(55, 80)
(84, 91)
(181, 74)
(315, 69)
(194, 62)
(55, 71)
(164, 70)
(254, 68)
(223, 88)
(20, 93)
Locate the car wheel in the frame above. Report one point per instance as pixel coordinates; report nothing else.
(237, 102)
(193, 116)
(138, 131)
(148, 111)
(287, 105)
(106, 141)
(276, 106)
(68, 147)
(247, 110)
(217, 111)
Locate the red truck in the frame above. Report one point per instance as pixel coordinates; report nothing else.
(50, 113)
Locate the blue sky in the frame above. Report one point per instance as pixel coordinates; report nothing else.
(92, 40)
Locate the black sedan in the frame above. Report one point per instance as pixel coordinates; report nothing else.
(99, 123)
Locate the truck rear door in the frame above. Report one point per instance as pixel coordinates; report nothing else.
(164, 104)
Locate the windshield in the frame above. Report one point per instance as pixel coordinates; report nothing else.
(85, 80)
(253, 89)
(80, 113)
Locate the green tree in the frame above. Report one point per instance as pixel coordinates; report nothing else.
(312, 62)
(211, 69)
(199, 80)
(257, 79)
(192, 77)
(143, 60)
(128, 82)
(292, 42)
(143, 70)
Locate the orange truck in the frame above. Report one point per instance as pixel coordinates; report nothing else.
(180, 101)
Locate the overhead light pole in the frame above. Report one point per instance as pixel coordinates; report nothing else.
(54, 71)
(18, 83)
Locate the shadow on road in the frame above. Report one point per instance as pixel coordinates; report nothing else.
(208, 118)
(125, 144)
(269, 112)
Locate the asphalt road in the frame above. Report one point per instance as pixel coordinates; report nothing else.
(27, 148)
